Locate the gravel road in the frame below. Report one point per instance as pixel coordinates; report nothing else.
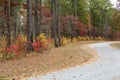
(107, 67)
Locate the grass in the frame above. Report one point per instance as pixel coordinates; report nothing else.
(116, 45)
(34, 64)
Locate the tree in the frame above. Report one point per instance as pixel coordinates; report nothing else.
(40, 19)
(59, 23)
(54, 23)
(8, 24)
(82, 10)
(75, 7)
(29, 24)
(100, 11)
(37, 30)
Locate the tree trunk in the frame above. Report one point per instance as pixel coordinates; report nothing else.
(90, 26)
(54, 23)
(29, 24)
(94, 27)
(52, 12)
(15, 21)
(75, 9)
(36, 19)
(40, 19)
(8, 24)
(59, 29)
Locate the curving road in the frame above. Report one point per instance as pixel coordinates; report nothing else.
(107, 67)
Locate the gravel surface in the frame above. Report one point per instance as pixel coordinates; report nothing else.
(107, 67)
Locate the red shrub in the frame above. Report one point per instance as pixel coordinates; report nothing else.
(37, 45)
(13, 49)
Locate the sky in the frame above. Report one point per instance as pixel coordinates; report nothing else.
(113, 2)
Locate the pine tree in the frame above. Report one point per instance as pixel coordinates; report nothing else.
(8, 24)
(29, 24)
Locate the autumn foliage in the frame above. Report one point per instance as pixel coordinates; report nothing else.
(40, 44)
(18, 46)
(72, 22)
(37, 45)
(64, 41)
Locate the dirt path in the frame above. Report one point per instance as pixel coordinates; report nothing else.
(105, 68)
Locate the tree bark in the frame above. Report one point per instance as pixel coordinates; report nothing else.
(8, 24)
(52, 12)
(29, 24)
(36, 19)
(54, 23)
(75, 9)
(15, 21)
(40, 19)
(59, 29)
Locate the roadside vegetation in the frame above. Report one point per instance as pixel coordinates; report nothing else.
(51, 60)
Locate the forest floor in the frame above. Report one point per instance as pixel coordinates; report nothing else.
(54, 59)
